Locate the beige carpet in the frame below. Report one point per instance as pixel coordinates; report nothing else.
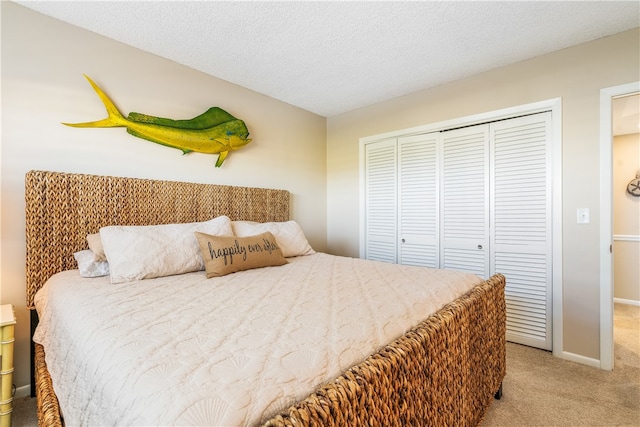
(542, 390)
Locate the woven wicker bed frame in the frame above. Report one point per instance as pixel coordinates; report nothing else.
(445, 371)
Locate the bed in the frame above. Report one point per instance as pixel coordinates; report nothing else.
(444, 369)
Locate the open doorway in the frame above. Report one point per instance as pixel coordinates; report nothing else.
(626, 229)
(607, 97)
(626, 205)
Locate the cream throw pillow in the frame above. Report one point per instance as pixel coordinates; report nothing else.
(144, 252)
(95, 245)
(88, 266)
(288, 234)
(225, 255)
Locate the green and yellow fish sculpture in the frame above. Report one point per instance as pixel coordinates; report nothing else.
(213, 132)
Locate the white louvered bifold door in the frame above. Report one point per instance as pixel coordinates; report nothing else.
(381, 201)
(474, 199)
(418, 200)
(521, 244)
(464, 234)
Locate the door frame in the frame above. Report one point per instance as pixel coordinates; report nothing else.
(606, 218)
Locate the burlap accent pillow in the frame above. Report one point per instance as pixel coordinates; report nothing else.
(227, 254)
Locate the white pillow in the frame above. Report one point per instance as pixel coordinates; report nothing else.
(88, 266)
(144, 252)
(289, 235)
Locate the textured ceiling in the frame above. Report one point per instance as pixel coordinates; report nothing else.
(330, 57)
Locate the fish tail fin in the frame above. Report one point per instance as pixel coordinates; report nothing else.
(114, 119)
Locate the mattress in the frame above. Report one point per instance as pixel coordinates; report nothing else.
(231, 350)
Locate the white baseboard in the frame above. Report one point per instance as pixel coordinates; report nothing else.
(627, 301)
(23, 391)
(572, 357)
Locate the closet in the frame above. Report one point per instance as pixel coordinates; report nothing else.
(475, 199)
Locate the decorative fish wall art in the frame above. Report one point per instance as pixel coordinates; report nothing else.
(213, 132)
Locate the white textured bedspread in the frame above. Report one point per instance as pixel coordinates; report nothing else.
(232, 350)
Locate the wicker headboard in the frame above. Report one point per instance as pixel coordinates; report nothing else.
(62, 208)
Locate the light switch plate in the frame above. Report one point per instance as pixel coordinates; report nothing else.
(584, 216)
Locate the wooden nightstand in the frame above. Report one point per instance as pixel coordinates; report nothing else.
(7, 337)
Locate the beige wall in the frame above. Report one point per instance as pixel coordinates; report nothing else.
(42, 85)
(626, 218)
(576, 75)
